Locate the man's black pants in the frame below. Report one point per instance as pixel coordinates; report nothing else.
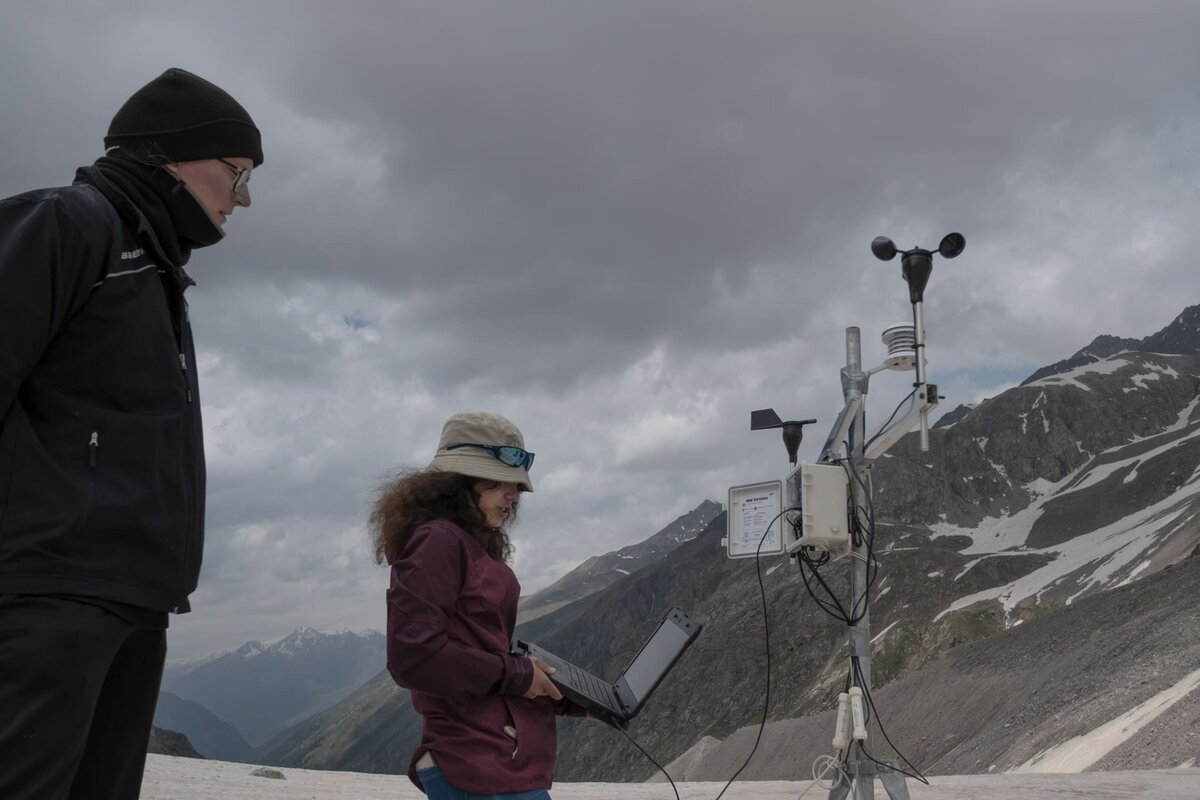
(78, 686)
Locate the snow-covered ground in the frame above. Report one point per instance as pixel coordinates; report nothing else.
(169, 778)
(1083, 751)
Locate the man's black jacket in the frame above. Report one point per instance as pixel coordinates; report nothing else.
(101, 451)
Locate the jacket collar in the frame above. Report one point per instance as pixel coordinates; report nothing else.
(141, 207)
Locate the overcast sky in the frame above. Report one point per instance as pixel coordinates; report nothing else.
(624, 225)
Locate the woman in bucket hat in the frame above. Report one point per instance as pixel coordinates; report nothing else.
(489, 715)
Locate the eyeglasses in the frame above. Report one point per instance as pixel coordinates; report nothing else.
(241, 175)
(507, 454)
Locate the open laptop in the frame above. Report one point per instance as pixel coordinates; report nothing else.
(617, 703)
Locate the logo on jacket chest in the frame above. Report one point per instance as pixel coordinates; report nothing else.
(128, 255)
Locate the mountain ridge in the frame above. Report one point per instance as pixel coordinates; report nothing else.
(599, 572)
(260, 689)
(209, 735)
(1179, 337)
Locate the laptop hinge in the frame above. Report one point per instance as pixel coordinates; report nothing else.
(622, 697)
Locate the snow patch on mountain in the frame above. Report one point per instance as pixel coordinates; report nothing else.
(1102, 471)
(1185, 416)
(1079, 753)
(1071, 377)
(879, 635)
(997, 534)
(1119, 550)
(1106, 550)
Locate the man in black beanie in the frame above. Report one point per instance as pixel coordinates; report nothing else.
(101, 450)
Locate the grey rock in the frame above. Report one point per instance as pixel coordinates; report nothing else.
(170, 743)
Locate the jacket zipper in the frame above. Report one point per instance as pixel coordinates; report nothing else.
(186, 383)
(93, 446)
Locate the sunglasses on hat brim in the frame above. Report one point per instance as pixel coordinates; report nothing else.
(506, 454)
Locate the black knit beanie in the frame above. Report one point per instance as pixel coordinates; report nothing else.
(179, 116)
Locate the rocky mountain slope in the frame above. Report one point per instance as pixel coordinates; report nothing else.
(600, 572)
(1010, 702)
(1034, 569)
(211, 736)
(372, 730)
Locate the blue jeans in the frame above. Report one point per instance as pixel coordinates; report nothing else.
(438, 788)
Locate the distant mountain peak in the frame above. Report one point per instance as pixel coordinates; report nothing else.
(1180, 337)
(297, 640)
(261, 688)
(1100, 348)
(951, 417)
(249, 650)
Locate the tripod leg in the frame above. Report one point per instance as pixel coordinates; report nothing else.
(893, 783)
(840, 789)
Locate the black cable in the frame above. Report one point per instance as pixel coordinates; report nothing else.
(857, 667)
(916, 776)
(652, 761)
(847, 465)
(840, 612)
(866, 527)
(867, 533)
(872, 567)
(814, 564)
(833, 607)
(872, 561)
(762, 590)
(881, 431)
(817, 562)
(870, 703)
(862, 529)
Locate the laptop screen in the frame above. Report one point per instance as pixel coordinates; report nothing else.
(655, 658)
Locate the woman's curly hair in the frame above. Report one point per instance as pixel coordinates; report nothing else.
(419, 496)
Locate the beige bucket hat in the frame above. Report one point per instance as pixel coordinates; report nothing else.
(482, 432)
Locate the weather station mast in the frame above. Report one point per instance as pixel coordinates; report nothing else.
(825, 511)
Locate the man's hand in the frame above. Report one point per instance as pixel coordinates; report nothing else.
(542, 685)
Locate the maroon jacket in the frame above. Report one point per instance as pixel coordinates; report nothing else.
(451, 613)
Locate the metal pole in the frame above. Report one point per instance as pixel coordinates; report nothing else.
(854, 382)
(919, 339)
(860, 639)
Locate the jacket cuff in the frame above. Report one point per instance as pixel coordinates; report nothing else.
(518, 675)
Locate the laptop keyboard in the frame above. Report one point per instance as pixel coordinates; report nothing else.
(590, 685)
(584, 682)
